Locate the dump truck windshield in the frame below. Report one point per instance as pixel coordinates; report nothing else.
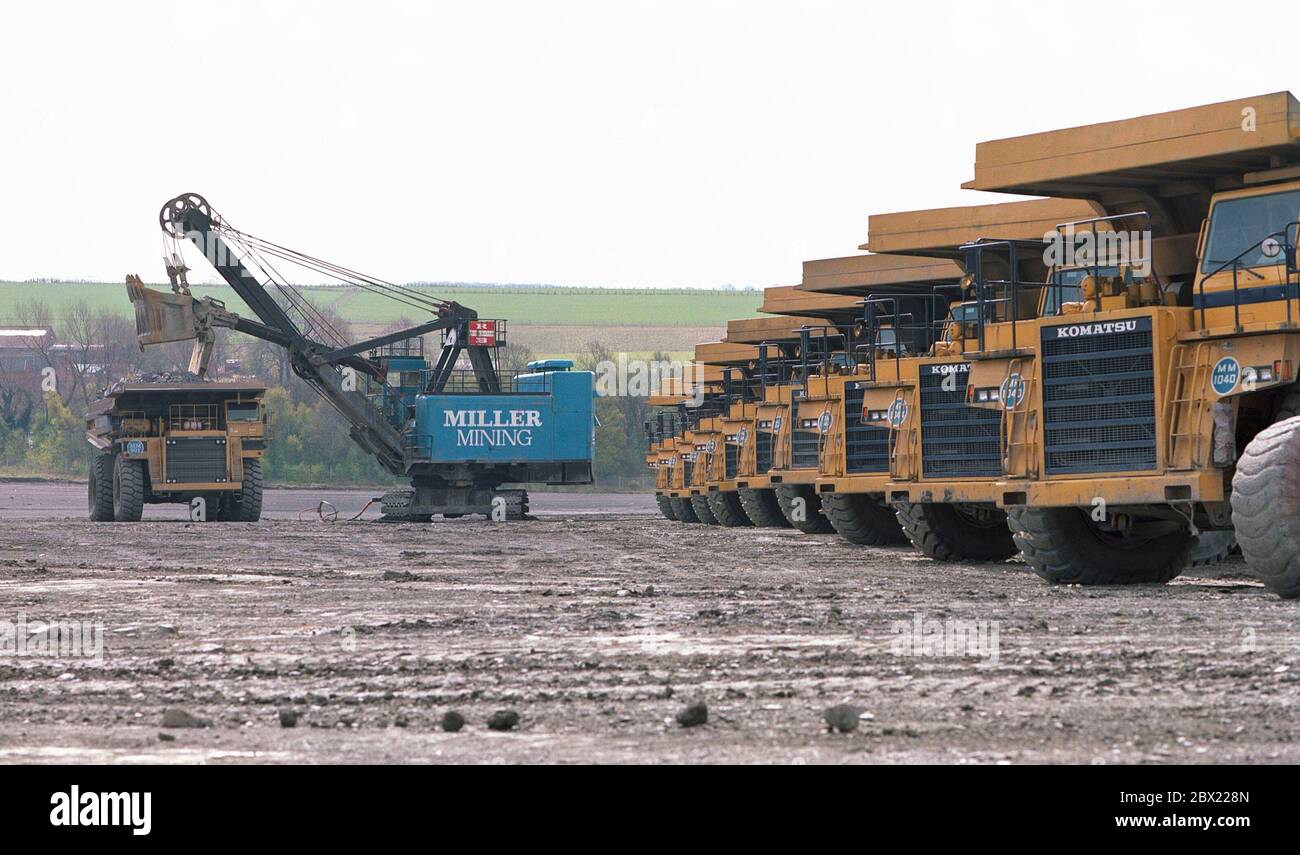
(242, 412)
(887, 339)
(1071, 290)
(965, 313)
(1236, 225)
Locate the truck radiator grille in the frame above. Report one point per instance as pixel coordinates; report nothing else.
(803, 449)
(956, 439)
(866, 446)
(732, 459)
(688, 473)
(192, 460)
(762, 451)
(1099, 397)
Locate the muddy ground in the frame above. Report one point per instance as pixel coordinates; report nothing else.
(598, 629)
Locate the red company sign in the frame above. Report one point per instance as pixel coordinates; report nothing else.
(483, 333)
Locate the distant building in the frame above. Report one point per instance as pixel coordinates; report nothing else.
(26, 353)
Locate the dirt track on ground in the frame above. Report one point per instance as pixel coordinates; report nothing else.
(598, 630)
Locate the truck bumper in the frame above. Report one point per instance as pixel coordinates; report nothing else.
(1132, 489)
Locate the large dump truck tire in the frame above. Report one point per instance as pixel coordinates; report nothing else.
(761, 507)
(128, 489)
(99, 488)
(683, 510)
(1266, 506)
(813, 520)
(666, 507)
(728, 510)
(703, 510)
(862, 520)
(1064, 546)
(1213, 547)
(952, 533)
(249, 505)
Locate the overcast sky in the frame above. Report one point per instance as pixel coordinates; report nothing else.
(579, 143)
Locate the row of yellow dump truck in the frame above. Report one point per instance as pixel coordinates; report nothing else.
(1101, 379)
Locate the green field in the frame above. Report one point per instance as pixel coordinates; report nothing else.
(519, 305)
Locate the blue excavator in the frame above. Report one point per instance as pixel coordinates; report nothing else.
(457, 425)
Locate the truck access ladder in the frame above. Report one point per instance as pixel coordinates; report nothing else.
(1189, 369)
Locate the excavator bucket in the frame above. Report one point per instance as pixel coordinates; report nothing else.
(161, 317)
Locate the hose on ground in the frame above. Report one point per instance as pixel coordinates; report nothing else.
(326, 512)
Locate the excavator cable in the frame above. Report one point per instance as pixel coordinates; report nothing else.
(314, 320)
(312, 317)
(400, 293)
(256, 251)
(323, 268)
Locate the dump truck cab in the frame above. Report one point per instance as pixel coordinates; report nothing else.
(198, 443)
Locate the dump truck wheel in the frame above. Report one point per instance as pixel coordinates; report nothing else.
(814, 521)
(100, 488)
(248, 507)
(702, 510)
(666, 507)
(1064, 546)
(727, 508)
(862, 520)
(1213, 547)
(227, 508)
(214, 509)
(1265, 504)
(957, 532)
(128, 490)
(683, 511)
(761, 507)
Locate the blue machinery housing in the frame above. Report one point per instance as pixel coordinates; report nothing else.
(540, 426)
(547, 417)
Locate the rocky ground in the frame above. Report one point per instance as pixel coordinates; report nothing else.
(598, 630)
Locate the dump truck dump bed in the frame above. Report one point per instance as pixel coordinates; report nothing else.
(792, 300)
(725, 353)
(855, 275)
(1167, 164)
(758, 330)
(1197, 143)
(121, 395)
(938, 232)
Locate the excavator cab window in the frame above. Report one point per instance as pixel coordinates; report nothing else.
(1238, 224)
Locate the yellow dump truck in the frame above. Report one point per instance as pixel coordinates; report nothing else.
(197, 443)
(1160, 397)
